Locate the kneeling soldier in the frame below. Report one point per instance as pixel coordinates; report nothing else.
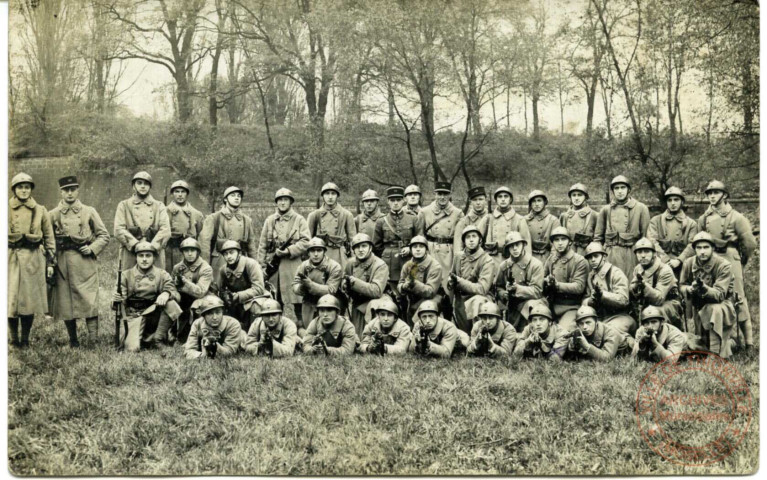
(240, 284)
(491, 336)
(213, 334)
(386, 334)
(420, 277)
(330, 333)
(656, 340)
(365, 279)
(654, 283)
(519, 282)
(192, 277)
(433, 336)
(471, 278)
(566, 274)
(151, 300)
(593, 340)
(315, 277)
(607, 290)
(541, 338)
(272, 334)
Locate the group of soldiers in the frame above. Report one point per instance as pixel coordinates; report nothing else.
(429, 280)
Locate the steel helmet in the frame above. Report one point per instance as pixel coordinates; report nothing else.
(560, 232)
(330, 186)
(592, 248)
(231, 245)
(385, 303)
(512, 238)
(503, 189)
(427, 306)
(585, 312)
(179, 184)
(578, 187)
(284, 192)
(329, 301)
(142, 176)
(361, 238)
(419, 239)
(717, 185)
(540, 308)
(233, 189)
(674, 192)
(651, 312)
(190, 243)
(370, 195)
(270, 306)
(702, 237)
(144, 246)
(537, 193)
(643, 243)
(412, 189)
(22, 178)
(209, 303)
(618, 180)
(469, 229)
(489, 308)
(317, 242)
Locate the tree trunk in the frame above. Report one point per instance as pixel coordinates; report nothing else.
(536, 127)
(508, 107)
(266, 115)
(213, 90)
(390, 101)
(591, 94)
(748, 95)
(524, 100)
(183, 99)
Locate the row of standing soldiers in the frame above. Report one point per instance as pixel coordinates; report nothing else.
(411, 254)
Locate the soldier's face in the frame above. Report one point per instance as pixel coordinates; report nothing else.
(517, 249)
(471, 240)
(478, 203)
(369, 205)
(330, 198)
(190, 255)
(283, 204)
(621, 191)
(539, 324)
(70, 194)
(214, 317)
(418, 250)
(489, 321)
(428, 320)
(231, 256)
(234, 199)
(715, 196)
(587, 326)
(560, 243)
(179, 195)
(503, 200)
(23, 191)
(651, 325)
(538, 204)
(645, 256)
(387, 319)
(327, 315)
(271, 320)
(703, 250)
(362, 250)
(595, 260)
(316, 255)
(144, 260)
(413, 199)
(142, 187)
(395, 203)
(442, 198)
(577, 199)
(674, 204)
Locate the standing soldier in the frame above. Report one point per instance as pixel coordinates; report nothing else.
(213, 334)
(330, 333)
(29, 229)
(316, 277)
(654, 283)
(519, 282)
(413, 198)
(420, 277)
(491, 336)
(708, 284)
(365, 278)
(192, 277)
(607, 290)
(437, 223)
(672, 230)
(333, 224)
(470, 280)
(365, 222)
(540, 223)
(593, 340)
(503, 220)
(229, 223)
(566, 274)
(478, 209)
(393, 232)
(579, 219)
(185, 222)
(284, 240)
(141, 218)
(272, 334)
(240, 284)
(733, 239)
(433, 336)
(80, 237)
(620, 224)
(541, 338)
(386, 334)
(655, 339)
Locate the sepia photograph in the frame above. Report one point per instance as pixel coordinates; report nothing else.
(383, 237)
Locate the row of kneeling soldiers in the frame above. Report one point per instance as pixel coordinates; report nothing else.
(172, 257)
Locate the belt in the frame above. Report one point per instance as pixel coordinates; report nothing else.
(540, 247)
(440, 240)
(175, 241)
(24, 243)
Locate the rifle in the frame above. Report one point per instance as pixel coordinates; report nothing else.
(596, 297)
(549, 289)
(698, 292)
(572, 334)
(227, 297)
(274, 263)
(319, 341)
(422, 341)
(344, 292)
(117, 306)
(266, 347)
(377, 346)
(484, 341)
(211, 346)
(510, 299)
(639, 297)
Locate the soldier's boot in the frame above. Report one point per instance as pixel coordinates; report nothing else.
(92, 323)
(26, 328)
(13, 326)
(160, 337)
(72, 332)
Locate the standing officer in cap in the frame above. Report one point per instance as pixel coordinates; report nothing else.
(213, 334)
(386, 334)
(333, 224)
(284, 240)
(365, 278)
(229, 223)
(565, 277)
(607, 290)
(185, 222)
(470, 280)
(672, 230)
(315, 277)
(654, 283)
(192, 277)
(579, 219)
(413, 198)
(503, 220)
(478, 209)
(141, 218)
(29, 229)
(620, 224)
(519, 282)
(80, 237)
(272, 334)
(540, 222)
(437, 223)
(366, 221)
(420, 278)
(240, 284)
(393, 232)
(330, 333)
(733, 239)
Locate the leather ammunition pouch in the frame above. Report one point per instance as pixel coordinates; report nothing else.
(137, 305)
(148, 235)
(24, 240)
(540, 248)
(581, 240)
(626, 240)
(673, 247)
(720, 246)
(67, 242)
(440, 240)
(490, 247)
(175, 240)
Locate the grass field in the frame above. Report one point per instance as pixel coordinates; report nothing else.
(96, 412)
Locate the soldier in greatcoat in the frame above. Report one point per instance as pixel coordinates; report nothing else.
(437, 223)
(471, 279)
(393, 232)
(541, 338)
(479, 208)
(491, 336)
(333, 224)
(213, 334)
(672, 230)
(593, 340)
(655, 339)
(316, 277)
(386, 334)
(272, 334)
(500, 222)
(365, 222)
(193, 278)
(565, 277)
(420, 278)
(185, 222)
(440, 337)
(365, 278)
(607, 290)
(519, 281)
(330, 333)
(579, 219)
(653, 283)
(240, 284)
(540, 223)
